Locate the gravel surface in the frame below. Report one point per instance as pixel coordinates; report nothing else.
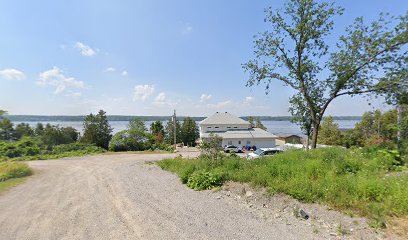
(122, 197)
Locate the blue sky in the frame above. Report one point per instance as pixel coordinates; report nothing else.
(146, 57)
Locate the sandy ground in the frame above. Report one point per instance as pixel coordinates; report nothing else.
(122, 197)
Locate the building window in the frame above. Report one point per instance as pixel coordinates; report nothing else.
(208, 127)
(228, 127)
(229, 142)
(248, 142)
(239, 142)
(235, 127)
(216, 127)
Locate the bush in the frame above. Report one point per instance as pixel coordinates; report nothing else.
(203, 180)
(13, 170)
(77, 147)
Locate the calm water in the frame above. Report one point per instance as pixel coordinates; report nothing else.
(273, 126)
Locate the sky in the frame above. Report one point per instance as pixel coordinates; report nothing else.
(148, 57)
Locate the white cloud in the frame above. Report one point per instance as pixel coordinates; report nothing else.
(124, 73)
(186, 27)
(12, 74)
(55, 77)
(220, 105)
(160, 99)
(205, 97)
(110, 69)
(143, 92)
(248, 100)
(85, 50)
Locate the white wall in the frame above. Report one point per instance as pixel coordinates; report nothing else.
(222, 127)
(259, 143)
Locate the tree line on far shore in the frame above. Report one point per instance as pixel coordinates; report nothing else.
(22, 140)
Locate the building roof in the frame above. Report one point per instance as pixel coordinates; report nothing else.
(224, 118)
(250, 133)
(285, 135)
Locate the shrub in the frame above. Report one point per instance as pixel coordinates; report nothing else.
(77, 147)
(13, 170)
(203, 180)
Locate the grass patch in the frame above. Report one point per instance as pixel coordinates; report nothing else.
(10, 170)
(6, 185)
(349, 180)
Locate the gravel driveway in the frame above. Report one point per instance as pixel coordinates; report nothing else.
(121, 197)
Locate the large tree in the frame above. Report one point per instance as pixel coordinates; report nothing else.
(189, 131)
(97, 130)
(295, 51)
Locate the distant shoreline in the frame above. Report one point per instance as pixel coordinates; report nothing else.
(80, 118)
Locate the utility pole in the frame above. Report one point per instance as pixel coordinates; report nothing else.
(174, 129)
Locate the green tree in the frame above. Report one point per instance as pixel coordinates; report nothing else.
(169, 132)
(330, 133)
(301, 116)
(2, 113)
(189, 131)
(212, 146)
(39, 129)
(55, 135)
(259, 124)
(23, 129)
(251, 121)
(97, 130)
(292, 52)
(6, 130)
(157, 130)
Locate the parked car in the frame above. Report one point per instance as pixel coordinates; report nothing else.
(261, 152)
(231, 149)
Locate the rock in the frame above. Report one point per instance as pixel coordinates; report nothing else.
(218, 197)
(249, 194)
(277, 215)
(333, 234)
(303, 214)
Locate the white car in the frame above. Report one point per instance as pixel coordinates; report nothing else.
(231, 149)
(261, 152)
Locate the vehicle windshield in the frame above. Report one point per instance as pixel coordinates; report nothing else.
(258, 152)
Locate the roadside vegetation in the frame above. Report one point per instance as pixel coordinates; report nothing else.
(23, 142)
(370, 182)
(12, 173)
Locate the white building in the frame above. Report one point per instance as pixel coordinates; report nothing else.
(235, 131)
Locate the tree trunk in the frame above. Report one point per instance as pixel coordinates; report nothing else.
(399, 120)
(307, 142)
(315, 134)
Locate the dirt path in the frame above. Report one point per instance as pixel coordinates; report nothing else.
(121, 197)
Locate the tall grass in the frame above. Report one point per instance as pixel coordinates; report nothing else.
(356, 180)
(10, 170)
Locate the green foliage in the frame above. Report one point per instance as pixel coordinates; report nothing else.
(365, 60)
(97, 130)
(258, 124)
(23, 129)
(189, 132)
(28, 148)
(330, 133)
(361, 181)
(211, 146)
(157, 130)
(6, 130)
(169, 132)
(10, 170)
(55, 135)
(203, 180)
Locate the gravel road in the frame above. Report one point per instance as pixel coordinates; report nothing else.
(122, 197)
